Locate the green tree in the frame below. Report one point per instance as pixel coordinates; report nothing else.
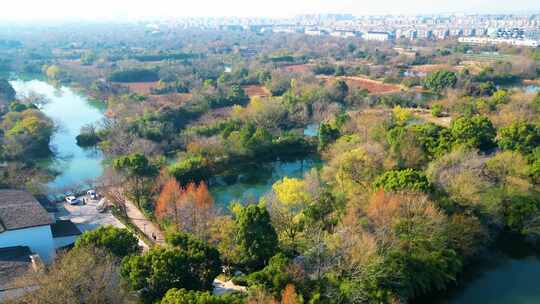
(406, 179)
(440, 80)
(190, 265)
(327, 134)
(119, 242)
(139, 173)
(339, 90)
(519, 136)
(274, 277)
(474, 132)
(190, 169)
(26, 134)
(255, 236)
(519, 211)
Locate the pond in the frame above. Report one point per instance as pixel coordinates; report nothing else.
(532, 88)
(508, 275)
(257, 179)
(70, 111)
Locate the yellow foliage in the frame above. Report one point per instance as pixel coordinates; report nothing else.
(402, 115)
(291, 192)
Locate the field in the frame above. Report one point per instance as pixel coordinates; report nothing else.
(137, 87)
(298, 68)
(373, 86)
(169, 99)
(256, 90)
(428, 68)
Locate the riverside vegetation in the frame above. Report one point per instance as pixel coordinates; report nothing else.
(417, 182)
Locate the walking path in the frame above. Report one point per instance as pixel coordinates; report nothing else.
(150, 229)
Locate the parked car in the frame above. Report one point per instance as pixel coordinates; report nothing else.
(72, 200)
(92, 193)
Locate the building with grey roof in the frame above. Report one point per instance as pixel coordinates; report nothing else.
(24, 222)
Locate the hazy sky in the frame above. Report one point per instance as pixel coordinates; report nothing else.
(92, 9)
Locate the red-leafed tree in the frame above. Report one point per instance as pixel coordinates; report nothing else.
(190, 209)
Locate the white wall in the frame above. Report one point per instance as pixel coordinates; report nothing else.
(38, 239)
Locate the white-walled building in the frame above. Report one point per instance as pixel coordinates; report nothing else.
(24, 222)
(377, 36)
(487, 40)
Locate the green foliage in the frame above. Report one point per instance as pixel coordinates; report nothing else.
(119, 242)
(255, 236)
(190, 169)
(496, 76)
(406, 179)
(519, 136)
(519, 211)
(134, 75)
(89, 136)
(274, 277)
(135, 165)
(139, 173)
(339, 91)
(437, 110)
(182, 296)
(191, 266)
(165, 56)
(26, 134)
(327, 134)
(324, 69)
(474, 132)
(440, 80)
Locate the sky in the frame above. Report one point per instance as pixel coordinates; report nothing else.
(27, 10)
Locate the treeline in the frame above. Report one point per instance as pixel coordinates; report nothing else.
(134, 75)
(165, 56)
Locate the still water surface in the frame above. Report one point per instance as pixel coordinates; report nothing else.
(70, 111)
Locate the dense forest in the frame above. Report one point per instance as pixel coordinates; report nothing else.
(430, 155)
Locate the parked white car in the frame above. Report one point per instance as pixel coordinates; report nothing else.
(72, 200)
(92, 194)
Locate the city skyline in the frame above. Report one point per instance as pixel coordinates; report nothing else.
(34, 10)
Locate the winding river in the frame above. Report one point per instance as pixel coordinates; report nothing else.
(70, 111)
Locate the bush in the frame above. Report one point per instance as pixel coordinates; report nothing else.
(119, 242)
(437, 110)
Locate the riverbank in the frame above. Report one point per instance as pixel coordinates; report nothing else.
(506, 273)
(76, 166)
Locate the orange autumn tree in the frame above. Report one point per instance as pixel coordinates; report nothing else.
(190, 209)
(167, 205)
(289, 295)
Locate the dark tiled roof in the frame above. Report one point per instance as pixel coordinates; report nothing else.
(14, 262)
(64, 228)
(19, 209)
